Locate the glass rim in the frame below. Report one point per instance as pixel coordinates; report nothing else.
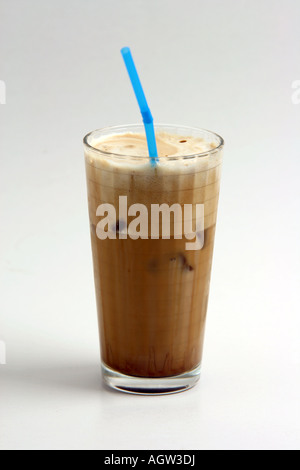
(127, 127)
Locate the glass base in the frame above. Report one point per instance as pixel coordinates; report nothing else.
(151, 386)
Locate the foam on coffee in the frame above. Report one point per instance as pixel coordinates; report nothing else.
(168, 145)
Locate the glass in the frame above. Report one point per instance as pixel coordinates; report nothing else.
(152, 293)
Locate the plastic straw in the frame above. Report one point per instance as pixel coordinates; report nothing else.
(142, 102)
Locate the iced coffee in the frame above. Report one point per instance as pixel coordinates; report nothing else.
(152, 292)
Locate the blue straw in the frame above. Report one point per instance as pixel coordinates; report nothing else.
(141, 99)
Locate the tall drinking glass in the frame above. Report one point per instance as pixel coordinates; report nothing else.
(152, 289)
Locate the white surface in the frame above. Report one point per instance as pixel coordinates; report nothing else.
(223, 65)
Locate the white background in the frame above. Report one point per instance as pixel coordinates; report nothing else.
(223, 65)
